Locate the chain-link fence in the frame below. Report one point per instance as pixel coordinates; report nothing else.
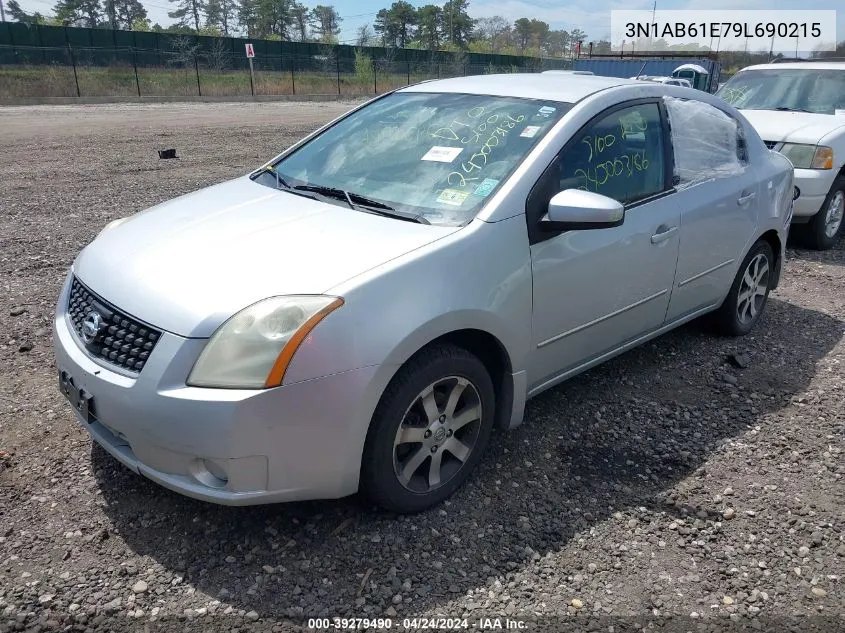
(32, 72)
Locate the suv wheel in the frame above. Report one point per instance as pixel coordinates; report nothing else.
(825, 227)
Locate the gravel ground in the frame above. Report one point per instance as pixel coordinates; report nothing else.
(667, 488)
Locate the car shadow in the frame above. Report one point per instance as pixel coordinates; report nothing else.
(617, 437)
(798, 251)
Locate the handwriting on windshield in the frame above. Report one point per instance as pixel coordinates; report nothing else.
(601, 167)
(734, 95)
(599, 173)
(596, 145)
(476, 128)
(632, 124)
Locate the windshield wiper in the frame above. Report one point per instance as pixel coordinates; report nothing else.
(356, 201)
(785, 109)
(281, 183)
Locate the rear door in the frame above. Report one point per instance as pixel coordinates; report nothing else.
(718, 194)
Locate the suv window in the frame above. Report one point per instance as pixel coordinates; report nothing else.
(821, 91)
(708, 143)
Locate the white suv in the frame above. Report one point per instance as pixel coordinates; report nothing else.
(798, 108)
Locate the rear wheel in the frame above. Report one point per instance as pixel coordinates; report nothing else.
(749, 292)
(429, 430)
(824, 229)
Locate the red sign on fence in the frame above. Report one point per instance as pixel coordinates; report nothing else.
(250, 51)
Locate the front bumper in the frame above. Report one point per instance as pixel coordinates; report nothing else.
(227, 446)
(814, 185)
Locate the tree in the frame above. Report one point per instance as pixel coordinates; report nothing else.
(127, 12)
(457, 23)
(429, 26)
(19, 15)
(325, 23)
(396, 24)
(218, 55)
(575, 36)
(384, 27)
(220, 14)
(188, 13)
(142, 25)
(78, 12)
(404, 16)
(557, 43)
(601, 47)
(490, 30)
(300, 14)
(274, 19)
(183, 50)
(363, 36)
(109, 10)
(539, 35)
(522, 30)
(248, 16)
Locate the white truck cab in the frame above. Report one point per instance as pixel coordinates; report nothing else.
(798, 108)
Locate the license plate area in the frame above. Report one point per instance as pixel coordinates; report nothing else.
(81, 400)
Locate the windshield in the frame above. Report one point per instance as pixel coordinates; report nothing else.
(820, 91)
(438, 157)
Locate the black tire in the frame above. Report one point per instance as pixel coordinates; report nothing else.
(814, 232)
(401, 404)
(727, 317)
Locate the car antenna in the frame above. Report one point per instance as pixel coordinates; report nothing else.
(641, 69)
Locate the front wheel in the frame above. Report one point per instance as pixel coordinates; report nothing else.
(429, 430)
(749, 292)
(825, 227)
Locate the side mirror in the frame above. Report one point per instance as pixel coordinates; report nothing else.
(576, 209)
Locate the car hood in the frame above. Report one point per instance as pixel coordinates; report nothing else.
(793, 127)
(187, 265)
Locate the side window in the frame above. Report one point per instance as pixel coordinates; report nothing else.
(619, 155)
(708, 142)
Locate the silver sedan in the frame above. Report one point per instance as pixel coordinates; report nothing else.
(360, 312)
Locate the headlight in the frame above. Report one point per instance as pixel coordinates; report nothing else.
(111, 225)
(252, 350)
(808, 156)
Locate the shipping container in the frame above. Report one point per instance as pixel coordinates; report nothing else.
(631, 67)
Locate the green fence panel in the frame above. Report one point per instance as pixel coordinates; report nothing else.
(23, 34)
(77, 38)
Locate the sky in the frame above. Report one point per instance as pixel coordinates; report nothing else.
(591, 16)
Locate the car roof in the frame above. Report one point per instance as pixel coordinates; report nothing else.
(566, 88)
(799, 66)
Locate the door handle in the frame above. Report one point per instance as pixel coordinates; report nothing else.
(663, 234)
(746, 197)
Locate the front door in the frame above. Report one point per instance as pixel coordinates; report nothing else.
(595, 290)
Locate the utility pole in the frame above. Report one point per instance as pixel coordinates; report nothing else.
(110, 11)
(2, 12)
(653, 11)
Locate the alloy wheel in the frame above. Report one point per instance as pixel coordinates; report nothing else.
(438, 433)
(752, 289)
(834, 213)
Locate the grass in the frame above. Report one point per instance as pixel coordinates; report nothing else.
(113, 81)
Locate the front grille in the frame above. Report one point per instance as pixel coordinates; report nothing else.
(771, 144)
(120, 340)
